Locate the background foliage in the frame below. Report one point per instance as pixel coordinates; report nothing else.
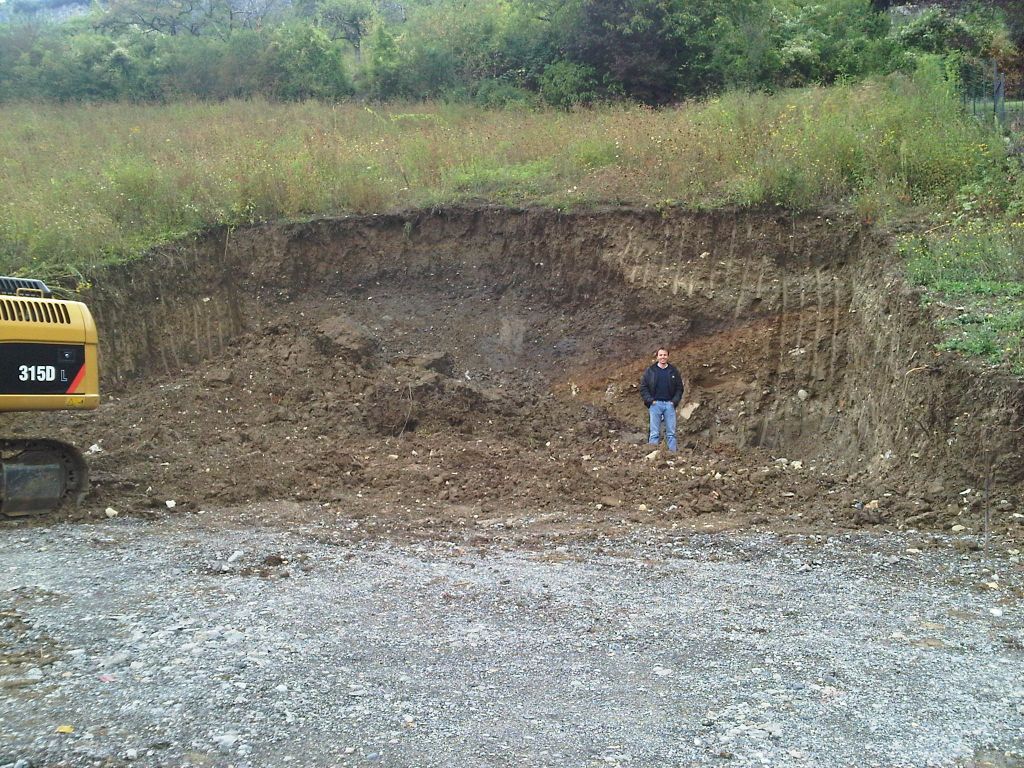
(563, 52)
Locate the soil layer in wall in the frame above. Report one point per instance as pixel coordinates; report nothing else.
(478, 368)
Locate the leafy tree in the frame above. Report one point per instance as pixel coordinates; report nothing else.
(936, 30)
(797, 42)
(970, 41)
(28, 7)
(748, 40)
(193, 17)
(652, 50)
(845, 39)
(186, 67)
(242, 71)
(19, 52)
(565, 52)
(345, 20)
(467, 38)
(91, 68)
(536, 34)
(306, 64)
(169, 17)
(384, 68)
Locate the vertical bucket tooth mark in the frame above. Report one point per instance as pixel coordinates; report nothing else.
(679, 281)
(765, 267)
(894, 348)
(646, 274)
(878, 343)
(706, 245)
(837, 303)
(626, 249)
(196, 311)
(708, 261)
(799, 338)
(160, 347)
(762, 433)
(663, 259)
(221, 336)
(174, 345)
(784, 322)
(670, 246)
(112, 339)
(726, 263)
(771, 413)
(209, 312)
(819, 331)
(740, 271)
(237, 324)
(742, 293)
(784, 293)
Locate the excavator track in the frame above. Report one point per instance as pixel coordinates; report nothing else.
(40, 476)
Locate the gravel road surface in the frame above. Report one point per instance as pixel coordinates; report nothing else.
(181, 642)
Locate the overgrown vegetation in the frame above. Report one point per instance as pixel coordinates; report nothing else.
(974, 273)
(492, 52)
(92, 183)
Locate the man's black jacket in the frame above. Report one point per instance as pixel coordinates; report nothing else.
(649, 379)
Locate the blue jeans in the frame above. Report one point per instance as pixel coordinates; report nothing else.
(663, 409)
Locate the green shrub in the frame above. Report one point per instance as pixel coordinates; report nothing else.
(496, 94)
(565, 84)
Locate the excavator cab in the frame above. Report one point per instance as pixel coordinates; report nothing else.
(48, 362)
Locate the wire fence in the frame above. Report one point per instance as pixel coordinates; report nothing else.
(988, 94)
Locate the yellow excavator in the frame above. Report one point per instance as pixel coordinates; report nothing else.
(48, 362)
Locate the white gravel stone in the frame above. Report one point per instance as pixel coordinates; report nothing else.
(226, 742)
(414, 653)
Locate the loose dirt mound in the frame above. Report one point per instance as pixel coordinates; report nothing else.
(479, 368)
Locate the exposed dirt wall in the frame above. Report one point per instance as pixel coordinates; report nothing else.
(795, 333)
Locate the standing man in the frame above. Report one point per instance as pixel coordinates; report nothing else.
(661, 387)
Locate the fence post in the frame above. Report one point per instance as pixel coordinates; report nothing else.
(998, 92)
(1001, 85)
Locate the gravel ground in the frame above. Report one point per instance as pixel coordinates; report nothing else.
(176, 642)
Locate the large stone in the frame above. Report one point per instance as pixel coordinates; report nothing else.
(342, 336)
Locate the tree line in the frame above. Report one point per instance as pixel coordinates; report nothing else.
(492, 52)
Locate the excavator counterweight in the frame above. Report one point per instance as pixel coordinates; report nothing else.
(48, 362)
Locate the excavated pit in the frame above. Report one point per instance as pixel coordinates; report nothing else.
(478, 367)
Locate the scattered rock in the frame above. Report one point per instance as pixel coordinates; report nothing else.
(115, 660)
(233, 637)
(219, 377)
(341, 335)
(225, 743)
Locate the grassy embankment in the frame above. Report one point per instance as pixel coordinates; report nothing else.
(81, 186)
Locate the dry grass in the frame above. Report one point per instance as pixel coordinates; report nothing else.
(80, 185)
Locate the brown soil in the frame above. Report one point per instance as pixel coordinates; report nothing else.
(475, 371)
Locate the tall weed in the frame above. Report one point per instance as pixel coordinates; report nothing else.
(85, 184)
